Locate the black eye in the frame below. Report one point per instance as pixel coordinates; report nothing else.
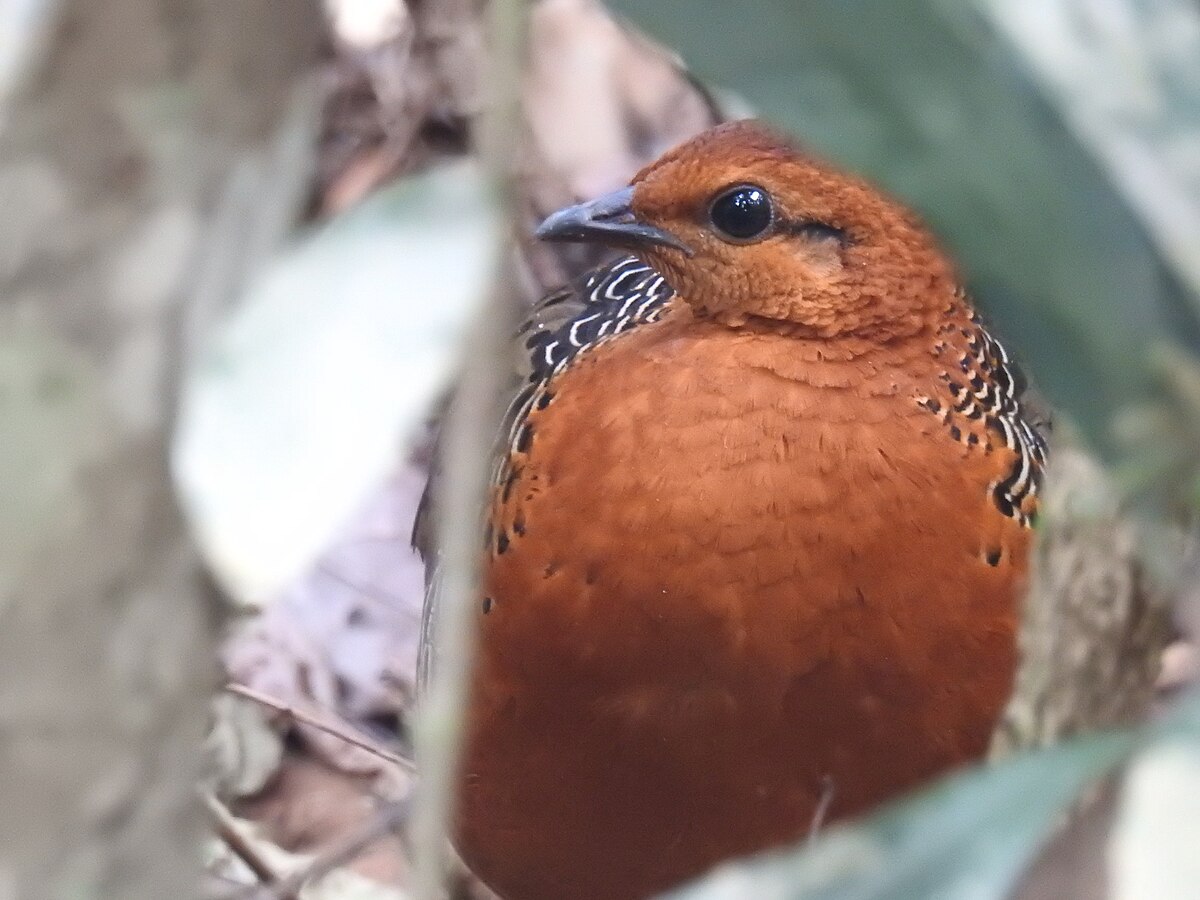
(742, 213)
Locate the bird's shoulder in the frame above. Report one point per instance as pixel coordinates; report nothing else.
(598, 306)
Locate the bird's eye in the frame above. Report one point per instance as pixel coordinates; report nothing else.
(742, 214)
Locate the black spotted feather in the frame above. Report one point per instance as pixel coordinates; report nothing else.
(986, 388)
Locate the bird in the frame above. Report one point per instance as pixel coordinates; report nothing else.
(759, 522)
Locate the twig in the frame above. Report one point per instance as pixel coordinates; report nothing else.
(227, 830)
(469, 430)
(321, 723)
(368, 592)
(828, 791)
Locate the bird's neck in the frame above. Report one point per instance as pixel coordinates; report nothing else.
(883, 336)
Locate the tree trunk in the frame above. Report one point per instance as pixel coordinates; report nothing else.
(141, 179)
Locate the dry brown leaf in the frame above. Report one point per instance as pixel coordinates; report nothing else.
(311, 806)
(244, 747)
(344, 637)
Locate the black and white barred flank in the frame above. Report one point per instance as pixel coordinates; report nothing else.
(988, 387)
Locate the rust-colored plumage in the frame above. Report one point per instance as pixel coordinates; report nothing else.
(757, 533)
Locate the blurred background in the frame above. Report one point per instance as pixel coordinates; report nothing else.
(254, 237)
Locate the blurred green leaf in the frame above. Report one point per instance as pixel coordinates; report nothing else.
(925, 98)
(969, 838)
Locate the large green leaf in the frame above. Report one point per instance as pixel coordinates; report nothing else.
(925, 98)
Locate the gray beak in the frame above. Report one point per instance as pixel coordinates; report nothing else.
(607, 220)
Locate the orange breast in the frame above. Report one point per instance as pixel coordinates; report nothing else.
(736, 567)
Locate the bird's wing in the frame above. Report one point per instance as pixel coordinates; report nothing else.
(596, 307)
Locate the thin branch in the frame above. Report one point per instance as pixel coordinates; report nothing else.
(317, 720)
(375, 595)
(828, 792)
(227, 830)
(469, 430)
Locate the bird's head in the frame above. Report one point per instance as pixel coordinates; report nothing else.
(747, 227)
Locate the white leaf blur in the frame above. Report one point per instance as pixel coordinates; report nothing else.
(1152, 851)
(301, 404)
